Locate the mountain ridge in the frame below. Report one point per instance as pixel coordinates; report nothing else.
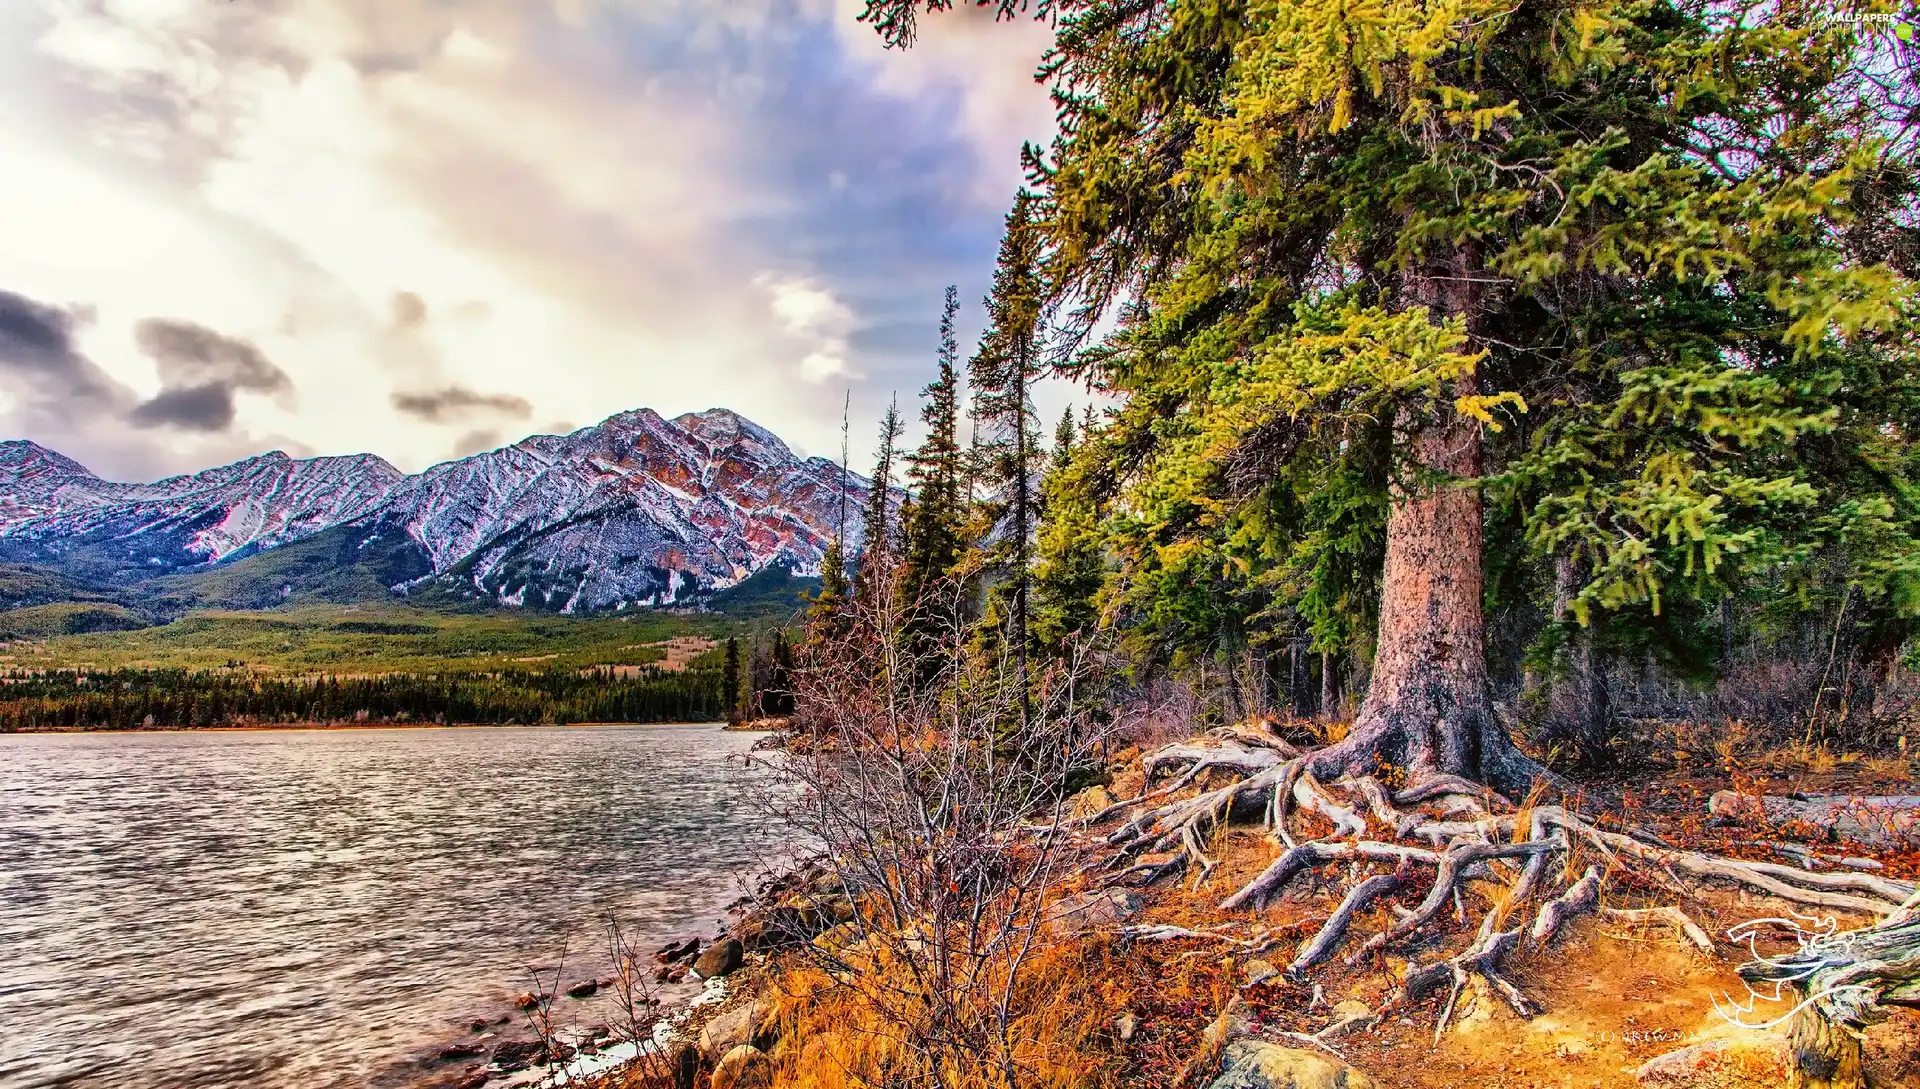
(636, 511)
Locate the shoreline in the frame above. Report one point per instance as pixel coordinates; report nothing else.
(327, 727)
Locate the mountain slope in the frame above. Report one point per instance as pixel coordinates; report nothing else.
(635, 511)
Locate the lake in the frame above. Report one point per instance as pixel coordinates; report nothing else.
(325, 907)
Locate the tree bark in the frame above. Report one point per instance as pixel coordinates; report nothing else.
(1823, 1055)
(1428, 707)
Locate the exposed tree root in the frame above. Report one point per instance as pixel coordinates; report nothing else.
(1479, 847)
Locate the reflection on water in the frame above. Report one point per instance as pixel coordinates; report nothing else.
(305, 908)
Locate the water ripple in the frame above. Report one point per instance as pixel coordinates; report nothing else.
(321, 908)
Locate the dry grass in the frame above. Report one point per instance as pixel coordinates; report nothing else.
(1061, 1017)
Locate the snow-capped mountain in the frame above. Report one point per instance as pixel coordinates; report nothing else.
(634, 511)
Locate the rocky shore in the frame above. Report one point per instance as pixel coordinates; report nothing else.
(691, 1003)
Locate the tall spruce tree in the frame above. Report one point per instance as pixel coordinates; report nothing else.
(1070, 553)
(877, 554)
(933, 526)
(1002, 373)
(1634, 276)
(730, 680)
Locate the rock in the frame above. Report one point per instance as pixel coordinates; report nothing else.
(745, 1067)
(527, 1001)
(518, 1054)
(474, 1080)
(719, 959)
(1090, 801)
(1125, 1025)
(1349, 1015)
(745, 1024)
(1099, 910)
(827, 884)
(1256, 1064)
(1259, 971)
(478, 1024)
(677, 951)
(841, 909)
(461, 1051)
(683, 1062)
(584, 989)
(838, 940)
(1758, 1062)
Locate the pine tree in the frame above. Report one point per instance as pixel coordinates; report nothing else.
(877, 557)
(1002, 375)
(934, 524)
(1407, 267)
(730, 681)
(1071, 555)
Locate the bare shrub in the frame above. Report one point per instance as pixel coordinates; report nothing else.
(935, 791)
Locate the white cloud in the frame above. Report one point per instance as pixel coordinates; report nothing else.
(583, 208)
(811, 315)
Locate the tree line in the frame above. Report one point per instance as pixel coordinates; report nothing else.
(129, 699)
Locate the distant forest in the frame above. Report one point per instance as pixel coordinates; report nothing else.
(130, 699)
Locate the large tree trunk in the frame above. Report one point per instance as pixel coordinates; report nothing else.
(1428, 707)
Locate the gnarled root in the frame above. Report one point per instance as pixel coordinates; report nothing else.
(1467, 834)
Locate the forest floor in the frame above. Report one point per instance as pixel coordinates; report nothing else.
(1617, 995)
(1627, 1003)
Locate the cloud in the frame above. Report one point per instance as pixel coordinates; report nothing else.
(47, 373)
(409, 310)
(57, 393)
(453, 403)
(812, 316)
(201, 371)
(474, 442)
(668, 204)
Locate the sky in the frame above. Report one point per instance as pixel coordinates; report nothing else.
(422, 228)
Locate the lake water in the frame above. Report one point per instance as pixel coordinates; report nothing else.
(324, 908)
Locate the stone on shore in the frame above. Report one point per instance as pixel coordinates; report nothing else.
(722, 958)
(744, 1024)
(584, 989)
(1099, 910)
(1257, 1064)
(677, 951)
(745, 1067)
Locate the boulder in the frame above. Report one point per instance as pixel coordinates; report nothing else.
(1090, 801)
(1349, 1015)
(1256, 1064)
(527, 1001)
(1259, 971)
(745, 1067)
(461, 1051)
(744, 1024)
(722, 958)
(1091, 911)
(677, 951)
(518, 1054)
(474, 1080)
(584, 989)
(1757, 1062)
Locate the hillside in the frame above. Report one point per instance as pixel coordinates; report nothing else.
(632, 513)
